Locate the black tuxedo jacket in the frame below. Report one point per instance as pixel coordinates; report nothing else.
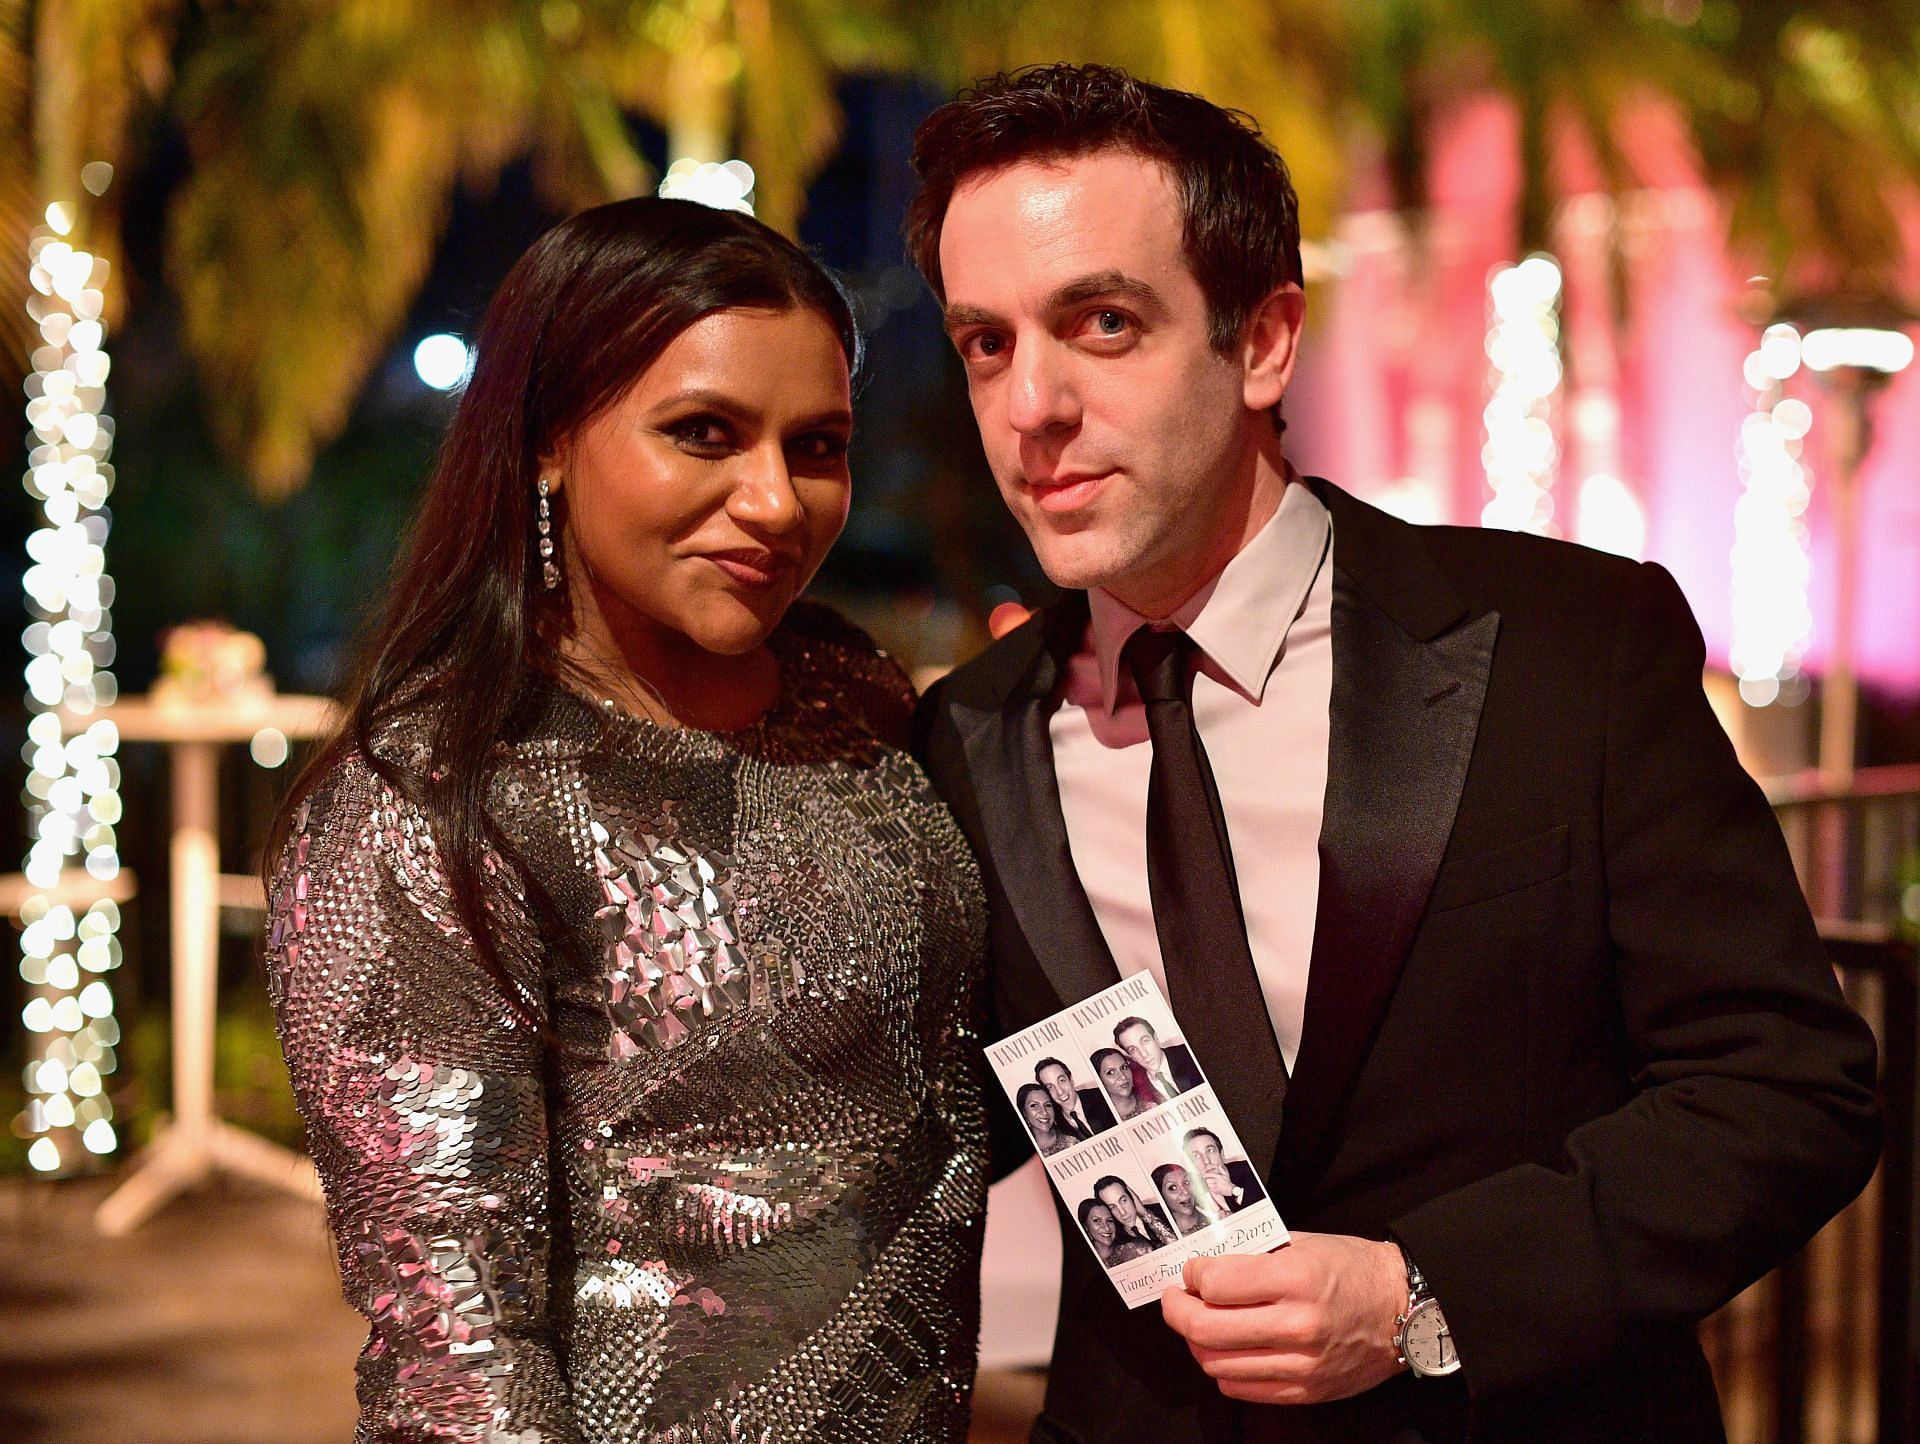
(1093, 1108)
(1142, 1233)
(1569, 1034)
(1180, 1067)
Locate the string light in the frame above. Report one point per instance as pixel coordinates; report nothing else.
(724, 185)
(1772, 619)
(1521, 456)
(73, 781)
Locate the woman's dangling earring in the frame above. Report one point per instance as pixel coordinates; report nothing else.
(543, 523)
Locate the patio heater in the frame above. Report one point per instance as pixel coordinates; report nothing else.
(1854, 343)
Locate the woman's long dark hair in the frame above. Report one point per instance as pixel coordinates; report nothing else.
(581, 315)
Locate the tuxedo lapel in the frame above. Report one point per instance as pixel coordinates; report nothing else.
(1004, 730)
(1409, 677)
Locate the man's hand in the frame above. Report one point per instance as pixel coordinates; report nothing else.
(1307, 1323)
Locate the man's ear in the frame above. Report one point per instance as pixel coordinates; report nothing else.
(1272, 342)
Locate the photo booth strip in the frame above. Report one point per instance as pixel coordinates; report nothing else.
(1158, 1114)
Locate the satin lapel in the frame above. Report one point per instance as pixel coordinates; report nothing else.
(1010, 758)
(1403, 716)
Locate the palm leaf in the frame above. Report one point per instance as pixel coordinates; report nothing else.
(304, 231)
(18, 190)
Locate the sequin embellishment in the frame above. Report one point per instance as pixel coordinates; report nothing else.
(671, 927)
(435, 1298)
(656, 1185)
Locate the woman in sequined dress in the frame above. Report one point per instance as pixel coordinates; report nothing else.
(1035, 1106)
(1127, 1087)
(624, 961)
(1096, 1222)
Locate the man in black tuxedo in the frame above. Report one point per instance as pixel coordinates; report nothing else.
(1231, 1184)
(1169, 1069)
(1083, 1111)
(1142, 1222)
(1493, 954)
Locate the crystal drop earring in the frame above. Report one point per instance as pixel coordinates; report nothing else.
(543, 523)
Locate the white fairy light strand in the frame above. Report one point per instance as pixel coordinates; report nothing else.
(72, 794)
(1772, 618)
(1521, 456)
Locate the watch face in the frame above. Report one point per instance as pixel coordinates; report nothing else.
(1429, 1345)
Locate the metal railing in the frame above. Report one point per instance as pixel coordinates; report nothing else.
(1824, 1349)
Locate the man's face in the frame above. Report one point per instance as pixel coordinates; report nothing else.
(1119, 1198)
(1059, 1083)
(1139, 1044)
(1120, 439)
(1207, 1156)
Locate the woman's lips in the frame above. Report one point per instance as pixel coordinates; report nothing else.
(1066, 494)
(752, 568)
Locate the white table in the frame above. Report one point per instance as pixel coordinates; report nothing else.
(195, 1141)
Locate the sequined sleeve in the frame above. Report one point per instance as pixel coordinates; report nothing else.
(425, 1112)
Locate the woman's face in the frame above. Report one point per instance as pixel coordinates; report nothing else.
(1100, 1227)
(1178, 1189)
(1039, 1111)
(703, 500)
(1117, 1076)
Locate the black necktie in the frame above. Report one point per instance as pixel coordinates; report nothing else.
(1196, 907)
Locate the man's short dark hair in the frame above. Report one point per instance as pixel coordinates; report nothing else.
(1046, 1063)
(1126, 1023)
(1186, 1143)
(1240, 216)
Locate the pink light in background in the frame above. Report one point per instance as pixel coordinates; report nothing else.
(1392, 383)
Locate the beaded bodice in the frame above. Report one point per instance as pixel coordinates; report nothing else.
(731, 1186)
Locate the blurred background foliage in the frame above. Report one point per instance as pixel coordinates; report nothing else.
(301, 188)
(325, 140)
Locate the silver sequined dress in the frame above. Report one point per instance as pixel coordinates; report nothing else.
(736, 1192)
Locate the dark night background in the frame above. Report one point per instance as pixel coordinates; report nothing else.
(927, 550)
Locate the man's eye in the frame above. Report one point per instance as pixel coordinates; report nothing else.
(1110, 323)
(985, 345)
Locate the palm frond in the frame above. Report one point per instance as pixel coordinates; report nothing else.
(303, 233)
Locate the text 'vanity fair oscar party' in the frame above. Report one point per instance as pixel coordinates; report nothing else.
(1133, 1138)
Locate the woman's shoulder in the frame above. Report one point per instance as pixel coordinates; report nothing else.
(842, 661)
(370, 780)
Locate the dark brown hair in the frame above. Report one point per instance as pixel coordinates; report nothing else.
(1241, 219)
(467, 626)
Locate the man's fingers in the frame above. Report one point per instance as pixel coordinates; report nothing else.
(1248, 1365)
(1238, 1279)
(1267, 1392)
(1212, 1326)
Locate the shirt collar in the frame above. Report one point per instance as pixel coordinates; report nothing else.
(1240, 619)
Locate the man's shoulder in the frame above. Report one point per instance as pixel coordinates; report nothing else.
(1433, 577)
(1468, 552)
(986, 678)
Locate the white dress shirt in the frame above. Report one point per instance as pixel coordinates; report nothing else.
(1264, 630)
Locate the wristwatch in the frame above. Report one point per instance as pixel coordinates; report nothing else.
(1421, 1338)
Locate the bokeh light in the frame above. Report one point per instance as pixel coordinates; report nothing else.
(440, 360)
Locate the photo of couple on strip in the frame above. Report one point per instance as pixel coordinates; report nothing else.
(1114, 1097)
(1195, 1193)
(1139, 1073)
